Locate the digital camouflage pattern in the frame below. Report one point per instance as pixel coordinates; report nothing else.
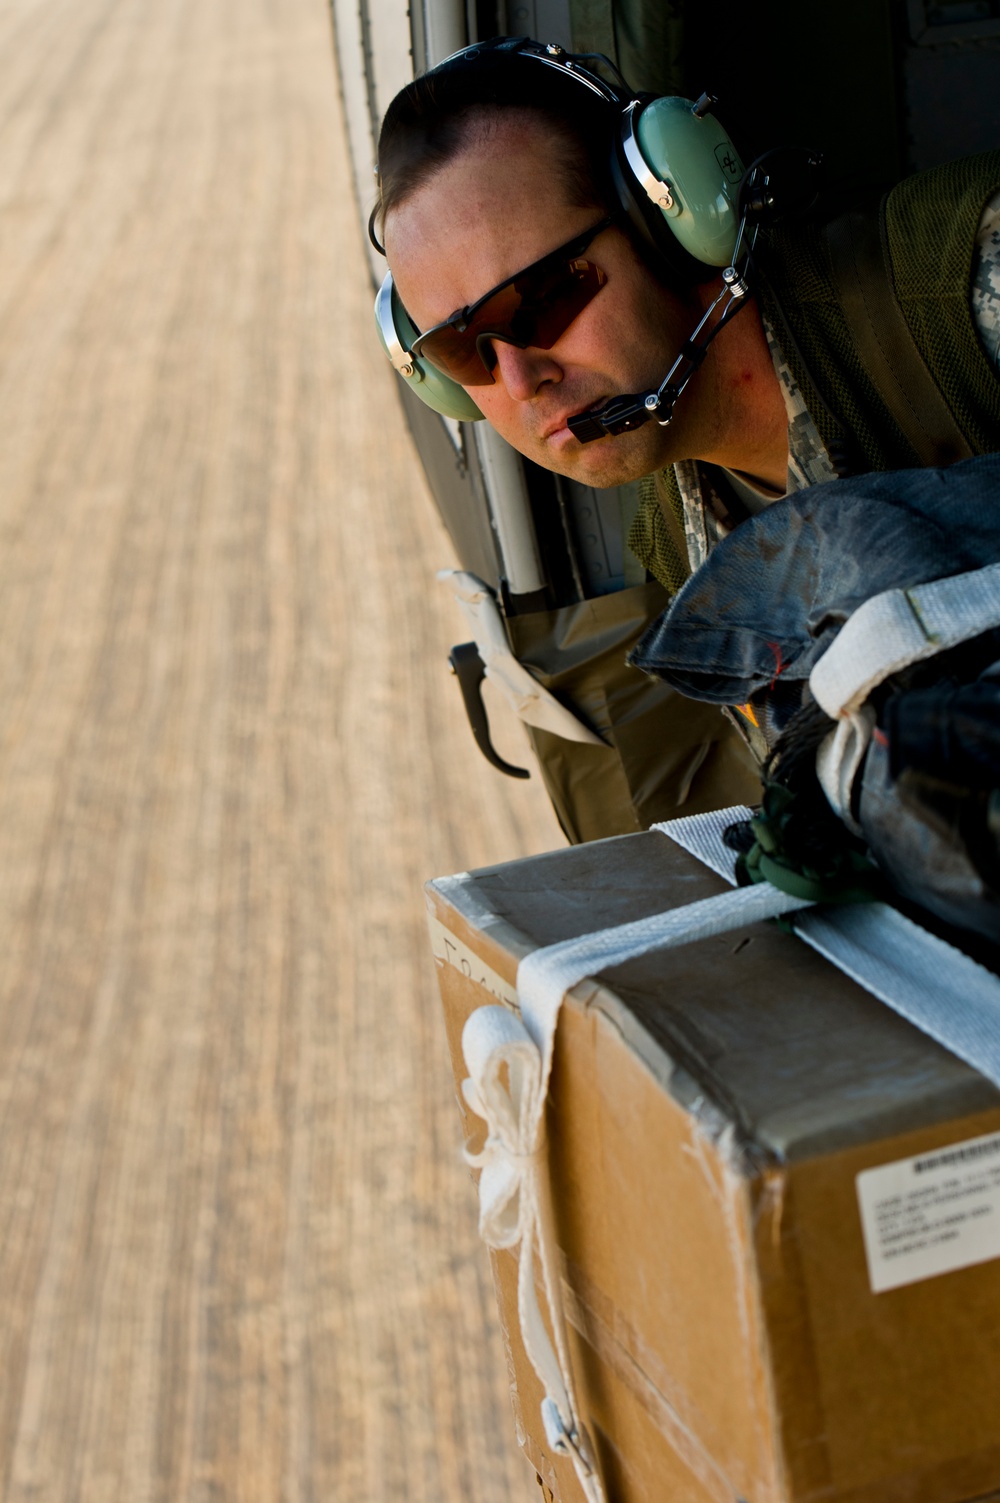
(809, 462)
(985, 297)
(700, 540)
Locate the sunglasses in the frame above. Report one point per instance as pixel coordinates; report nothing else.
(534, 308)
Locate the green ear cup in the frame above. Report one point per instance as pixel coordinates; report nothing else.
(397, 331)
(693, 159)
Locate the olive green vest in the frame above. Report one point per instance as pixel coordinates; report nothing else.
(872, 314)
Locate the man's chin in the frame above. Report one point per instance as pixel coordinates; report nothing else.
(608, 461)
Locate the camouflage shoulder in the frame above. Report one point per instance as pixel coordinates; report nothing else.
(984, 295)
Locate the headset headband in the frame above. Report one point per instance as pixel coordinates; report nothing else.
(573, 65)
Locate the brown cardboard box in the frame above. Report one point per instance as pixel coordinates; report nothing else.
(710, 1112)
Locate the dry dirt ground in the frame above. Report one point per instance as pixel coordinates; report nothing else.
(237, 1247)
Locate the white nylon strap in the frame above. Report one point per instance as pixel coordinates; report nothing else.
(935, 987)
(927, 981)
(887, 633)
(900, 627)
(701, 836)
(838, 758)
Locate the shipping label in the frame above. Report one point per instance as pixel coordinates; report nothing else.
(932, 1213)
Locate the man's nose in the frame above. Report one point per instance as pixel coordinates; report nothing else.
(523, 372)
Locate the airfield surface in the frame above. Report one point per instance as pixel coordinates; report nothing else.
(238, 1257)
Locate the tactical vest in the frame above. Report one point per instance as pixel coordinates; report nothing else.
(872, 312)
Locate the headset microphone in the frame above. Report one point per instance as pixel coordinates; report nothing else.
(623, 414)
(781, 182)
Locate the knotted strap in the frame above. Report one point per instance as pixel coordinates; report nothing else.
(507, 1089)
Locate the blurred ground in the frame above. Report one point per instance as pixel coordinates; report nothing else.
(237, 1246)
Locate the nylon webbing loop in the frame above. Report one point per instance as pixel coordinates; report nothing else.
(899, 627)
(890, 632)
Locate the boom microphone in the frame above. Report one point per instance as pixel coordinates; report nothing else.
(623, 414)
(779, 183)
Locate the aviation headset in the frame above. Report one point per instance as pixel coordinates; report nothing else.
(674, 169)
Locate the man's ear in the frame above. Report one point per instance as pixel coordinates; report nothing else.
(677, 174)
(397, 332)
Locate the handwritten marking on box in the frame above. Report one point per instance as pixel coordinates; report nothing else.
(453, 952)
(931, 1214)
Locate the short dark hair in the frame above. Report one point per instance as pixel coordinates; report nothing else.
(434, 118)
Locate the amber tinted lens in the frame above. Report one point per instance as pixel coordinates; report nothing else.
(535, 308)
(549, 305)
(452, 348)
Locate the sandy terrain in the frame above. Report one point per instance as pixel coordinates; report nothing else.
(237, 1247)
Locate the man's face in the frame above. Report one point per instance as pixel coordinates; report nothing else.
(494, 210)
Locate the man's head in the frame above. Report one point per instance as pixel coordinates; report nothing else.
(435, 117)
(485, 170)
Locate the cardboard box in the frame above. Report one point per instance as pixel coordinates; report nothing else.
(710, 1113)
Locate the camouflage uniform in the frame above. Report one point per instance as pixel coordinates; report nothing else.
(809, 462)
(985, 296)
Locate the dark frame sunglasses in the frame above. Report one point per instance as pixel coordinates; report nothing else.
(532, 308)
